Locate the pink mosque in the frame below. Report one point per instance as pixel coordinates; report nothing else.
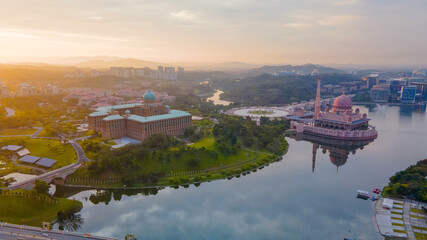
(340, 122)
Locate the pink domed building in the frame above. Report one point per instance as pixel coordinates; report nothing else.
(340, 122)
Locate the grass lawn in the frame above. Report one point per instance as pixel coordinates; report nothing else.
(64, 154)
(416, 210)
(32, 212)
(207, 142)
(398, 213)
(414, 216)
(399, 231)
(420, 236)
(44, 133)
(396, 218)
(160, 163)
(419, 228)
(397, 224)
(16, 131)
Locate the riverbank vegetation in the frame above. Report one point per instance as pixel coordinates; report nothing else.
(233, 146)
(32, 208)
(409, 183)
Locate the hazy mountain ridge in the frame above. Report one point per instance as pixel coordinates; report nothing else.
(306, 68)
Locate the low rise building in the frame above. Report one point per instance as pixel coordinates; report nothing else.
(4, 90)
(380, 93)
(26, 89)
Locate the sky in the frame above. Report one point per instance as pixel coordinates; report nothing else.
(252, 31)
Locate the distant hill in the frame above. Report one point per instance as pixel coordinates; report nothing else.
(306, 68)
(225, 66)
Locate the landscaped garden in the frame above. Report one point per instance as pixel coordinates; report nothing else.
(233, 147)
(64, 154)
(261, 112)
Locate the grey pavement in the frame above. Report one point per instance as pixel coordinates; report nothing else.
(12, 231)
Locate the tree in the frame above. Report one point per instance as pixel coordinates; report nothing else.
(41, 187)
(7, 182)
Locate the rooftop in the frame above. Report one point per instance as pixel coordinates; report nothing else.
(29, 159)
(170, 115)
(113, 117)
(107, 108)
(46, 162)
(96, 114)
(11, 147)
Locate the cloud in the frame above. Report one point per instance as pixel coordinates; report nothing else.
(336, 20)
(186, 16)
(329, 21)
(96, 18)
(346, 2)
(17, 34)
(297, 25)
(41, 34)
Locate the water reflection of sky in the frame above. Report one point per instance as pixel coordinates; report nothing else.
(283, 201)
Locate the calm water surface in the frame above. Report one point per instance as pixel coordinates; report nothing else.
(287, 200)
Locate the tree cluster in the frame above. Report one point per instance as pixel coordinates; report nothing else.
(268, 89)
(410, 183)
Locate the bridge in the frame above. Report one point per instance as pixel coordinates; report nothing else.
(12, 231)
(60, 173)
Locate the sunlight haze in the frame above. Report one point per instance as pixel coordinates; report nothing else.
(271, 31)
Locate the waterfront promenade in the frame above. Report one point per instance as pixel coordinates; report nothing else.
(405, 219)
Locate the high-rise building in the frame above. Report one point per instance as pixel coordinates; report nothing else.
(371, 80)
(407, 94)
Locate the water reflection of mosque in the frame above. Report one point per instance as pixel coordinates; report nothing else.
(339, 150)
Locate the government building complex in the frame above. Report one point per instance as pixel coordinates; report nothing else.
(139, 120)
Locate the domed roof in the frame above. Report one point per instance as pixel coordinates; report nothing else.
(343, 102)
(149, 96)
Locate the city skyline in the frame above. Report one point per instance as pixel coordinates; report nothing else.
(267, 32)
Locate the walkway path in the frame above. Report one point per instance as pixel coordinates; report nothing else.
(407, 220)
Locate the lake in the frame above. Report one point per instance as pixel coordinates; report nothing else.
(286, 200)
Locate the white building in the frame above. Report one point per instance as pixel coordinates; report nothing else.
(4, 90)
(25, 89)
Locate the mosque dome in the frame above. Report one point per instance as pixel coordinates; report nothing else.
(149, 96)
(343, 102)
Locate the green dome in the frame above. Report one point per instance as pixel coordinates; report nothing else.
(149, 96)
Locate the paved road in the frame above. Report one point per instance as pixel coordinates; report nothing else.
(12, 231)
(58, 172)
